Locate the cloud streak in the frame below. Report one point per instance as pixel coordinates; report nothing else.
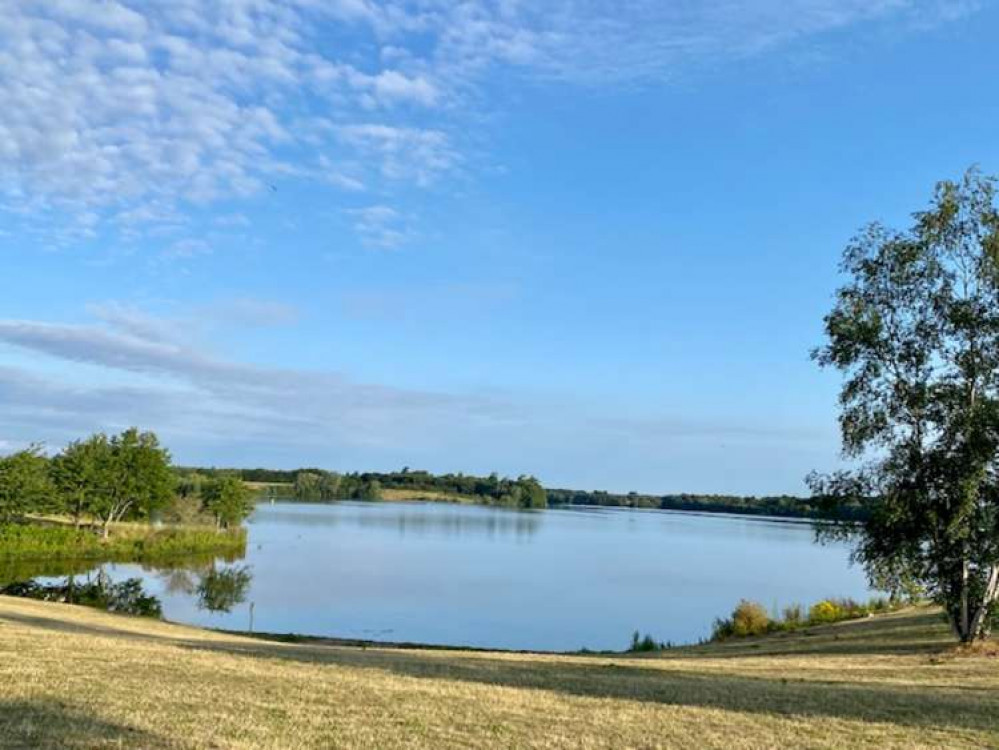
(184, 384)
(132, 368)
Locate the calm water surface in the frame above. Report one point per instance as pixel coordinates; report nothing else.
(556, 579)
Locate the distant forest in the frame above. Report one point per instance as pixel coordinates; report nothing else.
(526, 492)
(318, 484)
(785, 506)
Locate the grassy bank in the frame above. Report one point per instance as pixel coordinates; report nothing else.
(435, 496)
(127, 542)
(73, 677)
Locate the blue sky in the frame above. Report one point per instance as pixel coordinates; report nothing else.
(587, 240)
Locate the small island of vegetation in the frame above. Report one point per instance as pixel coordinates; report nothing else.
(114, 498)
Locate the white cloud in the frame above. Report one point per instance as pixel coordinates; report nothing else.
(422, 155)
(380, 226)
(119, 115)
(392, 86)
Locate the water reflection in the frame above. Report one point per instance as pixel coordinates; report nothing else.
(20, 571)
(489, 577)
(411, 518)
(217, 589)
(220, 590)
(126, 597)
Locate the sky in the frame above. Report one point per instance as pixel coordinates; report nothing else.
(586, 240)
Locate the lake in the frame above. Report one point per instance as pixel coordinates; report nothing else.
(560, 579)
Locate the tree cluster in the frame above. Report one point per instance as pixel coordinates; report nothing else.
(109, 479)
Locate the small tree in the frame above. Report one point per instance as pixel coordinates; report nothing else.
(126, 474)
(308, 486)
(228, 499)
(24, 485)
(915, 331)
(532, 494)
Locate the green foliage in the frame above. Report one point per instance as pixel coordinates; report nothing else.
(316, 485)
(228, 499)
(186, 510)
(915, 332)
(646, 644)
(126, 476)
(319, 485)
(782, 506)
(24, 484)
(34, 541)
(825, 611)
(750, 618)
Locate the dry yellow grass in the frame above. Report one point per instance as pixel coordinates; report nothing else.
(434, 495)
(77, 678)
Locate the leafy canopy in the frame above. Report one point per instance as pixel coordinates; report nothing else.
(915, 332)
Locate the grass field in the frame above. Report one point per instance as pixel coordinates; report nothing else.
(78, 678)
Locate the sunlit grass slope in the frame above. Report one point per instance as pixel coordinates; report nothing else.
(78, 678)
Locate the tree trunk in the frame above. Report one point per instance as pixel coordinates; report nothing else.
(978, 625)
(964, 632)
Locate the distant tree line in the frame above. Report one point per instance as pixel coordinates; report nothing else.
(102, 480)
(316, 484)
(783, 506)
(523, 492)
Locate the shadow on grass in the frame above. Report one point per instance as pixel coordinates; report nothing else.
(672, 679)
(77, 628)
(47, 724)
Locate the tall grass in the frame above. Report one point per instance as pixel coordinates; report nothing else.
(131, 542)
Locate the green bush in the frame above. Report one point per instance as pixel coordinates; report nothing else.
(647, 643)
(748, 618)
(825, 611)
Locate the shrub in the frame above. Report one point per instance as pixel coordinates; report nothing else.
(648, 643)
(748, 618)
(825, 611)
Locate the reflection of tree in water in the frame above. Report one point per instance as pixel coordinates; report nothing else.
(100, 592)
(221, 589)
(422, 520)
(19, 571)
(218, 589)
